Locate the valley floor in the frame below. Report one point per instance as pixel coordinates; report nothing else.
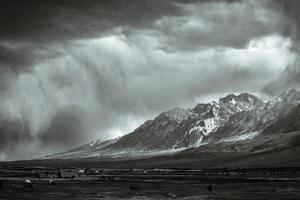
(157, 186)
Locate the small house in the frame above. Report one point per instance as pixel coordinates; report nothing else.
(69, 173)
(47, 173)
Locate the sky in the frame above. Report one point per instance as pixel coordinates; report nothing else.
(73, 71)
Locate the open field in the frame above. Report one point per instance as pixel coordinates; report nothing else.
(182, 184)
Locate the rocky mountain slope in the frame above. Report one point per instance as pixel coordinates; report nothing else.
(236, 123)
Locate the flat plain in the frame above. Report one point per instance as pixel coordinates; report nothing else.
(160, 185)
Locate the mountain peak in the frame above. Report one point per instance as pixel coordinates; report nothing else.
(246, 96)
(250, 98)
(228, 98)
(202, 107)
(177, 114)
(290, 92)
(292, 95)
(243, 97)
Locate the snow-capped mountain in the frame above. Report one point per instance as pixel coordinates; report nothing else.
(259, 118)
(238, 130)
(234, 118)
(183, 128)
(176, 129)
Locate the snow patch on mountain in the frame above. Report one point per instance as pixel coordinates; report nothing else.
(233, 102)
(242, 137)
(99, 141)
(208, 125)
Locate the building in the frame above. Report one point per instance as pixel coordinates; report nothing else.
(47, 172)
(69, 173)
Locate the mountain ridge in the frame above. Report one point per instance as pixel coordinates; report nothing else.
(234, 118)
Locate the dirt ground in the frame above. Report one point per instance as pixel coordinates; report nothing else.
(158, 188)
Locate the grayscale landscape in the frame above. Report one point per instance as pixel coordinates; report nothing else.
(142, 99)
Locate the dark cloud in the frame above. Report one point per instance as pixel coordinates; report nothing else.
(60, 20)
(15, 57)
(47, 20)
(290, 21)
(64, 130)
(7, 79)
(28, 27)
(39, 23)
(13, 132)
(20, 57)
(218, 25)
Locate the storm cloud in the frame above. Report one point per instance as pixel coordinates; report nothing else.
(64, 128)
(290, 28)
(74, 71)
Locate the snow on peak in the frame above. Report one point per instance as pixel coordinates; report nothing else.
(233, 101)
(243, 97)
(95, 142)
(213, 115)
(206, 126)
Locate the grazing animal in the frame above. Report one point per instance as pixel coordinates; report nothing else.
(27, 186)
(209, 188)
(132, 188)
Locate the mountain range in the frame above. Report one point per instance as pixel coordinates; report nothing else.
(241, 125)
